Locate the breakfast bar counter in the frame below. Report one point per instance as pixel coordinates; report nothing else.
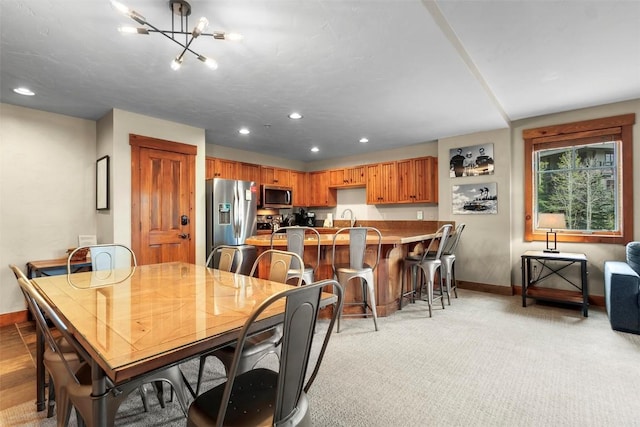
(398, 239)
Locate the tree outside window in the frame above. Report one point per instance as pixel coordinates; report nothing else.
(584, 171)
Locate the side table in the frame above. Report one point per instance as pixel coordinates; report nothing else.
(554, 264)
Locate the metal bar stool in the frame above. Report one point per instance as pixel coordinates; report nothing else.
(296, 236)
(411, 262)
(448, 259)
(430, 264)
(356, 268)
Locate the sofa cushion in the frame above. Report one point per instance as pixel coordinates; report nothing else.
(633, 256)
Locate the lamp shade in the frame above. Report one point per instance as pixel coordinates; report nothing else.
(552, 221)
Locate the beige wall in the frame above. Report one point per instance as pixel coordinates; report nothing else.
(47, 190)
(484, 252)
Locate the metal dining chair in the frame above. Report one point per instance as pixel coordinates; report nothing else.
(296, 237)
(72, 378)
(263, 343)
(448, 262)
(66, 349)
(429, 265)
(225, 257)
(263, 396)
(111, 264)
(357, 268)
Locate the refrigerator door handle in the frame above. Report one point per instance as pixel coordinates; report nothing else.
(234, 214)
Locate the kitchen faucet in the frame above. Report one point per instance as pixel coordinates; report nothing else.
(353, 219)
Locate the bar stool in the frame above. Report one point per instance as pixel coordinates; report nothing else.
(295, 243)
(357, 268)
(448, 259)
(429, 264)
(411, 262)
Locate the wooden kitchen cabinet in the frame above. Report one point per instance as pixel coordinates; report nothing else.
(320, 195)
(417, 180)
(249, 172)
(381, 183)
(348, 177)
(220, 168)
(275, 176)
(300, 187)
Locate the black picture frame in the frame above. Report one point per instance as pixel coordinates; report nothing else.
(102, 183)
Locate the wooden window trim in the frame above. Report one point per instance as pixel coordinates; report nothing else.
(561, 135)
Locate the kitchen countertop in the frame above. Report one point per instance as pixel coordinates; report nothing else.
(398, 237)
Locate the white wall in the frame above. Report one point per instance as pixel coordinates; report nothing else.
(597, 254)
(484, 251)
(47, 190)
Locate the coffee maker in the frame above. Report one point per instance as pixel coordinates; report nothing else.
(307, 219)
(311, 219)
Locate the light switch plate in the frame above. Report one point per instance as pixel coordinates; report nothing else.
(420, 215)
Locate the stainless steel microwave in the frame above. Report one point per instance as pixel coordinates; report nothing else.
(276, 197)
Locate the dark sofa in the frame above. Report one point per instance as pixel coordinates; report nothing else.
(622, 291)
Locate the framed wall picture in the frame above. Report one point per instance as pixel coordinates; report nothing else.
(474, 160)
(473, 199)
(102, 183)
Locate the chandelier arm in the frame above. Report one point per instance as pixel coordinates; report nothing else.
(166, 32)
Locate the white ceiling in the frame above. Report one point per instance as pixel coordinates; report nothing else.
(399, 72)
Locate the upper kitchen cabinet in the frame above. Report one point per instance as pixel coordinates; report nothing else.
(381, 183)
(320, 195)
(275, 176)
(220, 168)
(249, 172)
(348, 177)
(300, 187)
(417, 180)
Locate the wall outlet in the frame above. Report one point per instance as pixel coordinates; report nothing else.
(420, 215)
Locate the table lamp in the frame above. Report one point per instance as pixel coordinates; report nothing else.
(552, 221)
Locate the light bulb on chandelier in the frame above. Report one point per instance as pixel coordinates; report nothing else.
(181, 9)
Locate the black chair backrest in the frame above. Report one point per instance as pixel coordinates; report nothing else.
(301, 311)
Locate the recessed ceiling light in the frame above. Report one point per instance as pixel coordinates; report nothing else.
(364, 140)
(244, 131)
(24, 91)
(295, 116)
(315, 149)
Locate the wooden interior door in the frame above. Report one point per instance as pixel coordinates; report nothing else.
(163, 201)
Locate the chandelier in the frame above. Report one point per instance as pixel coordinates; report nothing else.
(179, 27)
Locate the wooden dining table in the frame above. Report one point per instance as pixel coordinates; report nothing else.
(133, 321)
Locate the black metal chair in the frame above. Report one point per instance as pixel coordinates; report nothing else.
(262, 396)
(267, 342)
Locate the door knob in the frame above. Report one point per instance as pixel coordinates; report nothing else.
(183, 236)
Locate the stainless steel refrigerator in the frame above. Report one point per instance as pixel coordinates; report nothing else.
(232, 216)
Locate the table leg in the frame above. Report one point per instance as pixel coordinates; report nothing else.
(525, 277)
(99, 391)
(585, 289)
(40, 373)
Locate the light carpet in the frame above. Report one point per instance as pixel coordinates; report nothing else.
(483, 361)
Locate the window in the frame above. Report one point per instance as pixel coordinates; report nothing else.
(582, 170)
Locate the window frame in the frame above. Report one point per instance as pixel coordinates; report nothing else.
(566, 135)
